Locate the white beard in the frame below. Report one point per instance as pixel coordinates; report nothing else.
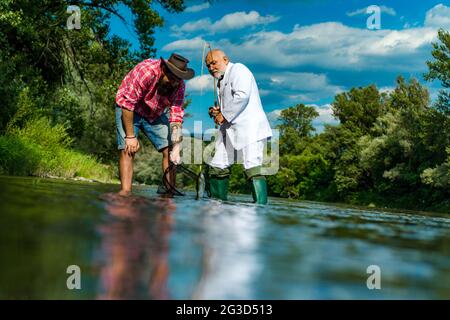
(219, 74)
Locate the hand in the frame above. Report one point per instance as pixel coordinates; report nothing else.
(219, 119)
(175, 153)
(132, 146)
(213, 111)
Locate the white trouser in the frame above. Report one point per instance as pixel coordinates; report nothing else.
(250, 156)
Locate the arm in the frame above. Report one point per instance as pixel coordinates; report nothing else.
(132, 90)
(131, 142)
(176, 105)
(241, 84)
(176, 120)
(127, 120)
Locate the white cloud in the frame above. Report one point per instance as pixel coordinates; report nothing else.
(264, 92)
(303, 81)
(239, 20)
(325, 116)
(335, 46)
(386, 89)
(192, 26)
(399, 42)
(438, 17)
(200, 84)
(274, 117)
(295, 87)
(198, 7)
(362, 11)
(232, 21)
(389, 11)
(356, 12)
(329, 45)
(189, 45)
(324, 46)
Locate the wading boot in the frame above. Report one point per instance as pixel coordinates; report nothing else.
(219, 187)
(259, 189)
(217, 181)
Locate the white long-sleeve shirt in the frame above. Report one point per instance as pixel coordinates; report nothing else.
(241, 106)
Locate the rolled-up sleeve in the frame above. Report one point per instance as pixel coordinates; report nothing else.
(176, 107)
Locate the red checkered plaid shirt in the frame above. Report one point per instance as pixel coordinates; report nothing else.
(139, 93)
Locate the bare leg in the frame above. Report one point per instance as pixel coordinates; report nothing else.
(125, 172)
(165, 164)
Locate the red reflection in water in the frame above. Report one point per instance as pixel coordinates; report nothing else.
(135, 247)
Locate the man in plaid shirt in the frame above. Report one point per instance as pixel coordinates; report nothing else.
(146, 92)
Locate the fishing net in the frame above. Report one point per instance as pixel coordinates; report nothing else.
(199, 180)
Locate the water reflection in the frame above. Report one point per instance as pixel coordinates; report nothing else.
(229, 243)
(145, 247)
(134, 247)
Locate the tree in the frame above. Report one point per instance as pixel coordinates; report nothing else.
(296, 125)
(439, 69)
(438, 173)
(358, 108)
(75, 72)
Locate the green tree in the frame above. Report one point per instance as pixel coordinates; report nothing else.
(358, 108)
(439, 69)
(357, 111)
(438, 138)
(296, 125)
(77, 71)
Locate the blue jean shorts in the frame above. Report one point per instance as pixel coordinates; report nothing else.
(157, 131)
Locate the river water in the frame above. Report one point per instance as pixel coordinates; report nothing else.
(148, 247)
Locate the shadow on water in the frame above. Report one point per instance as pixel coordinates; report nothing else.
(148, 247)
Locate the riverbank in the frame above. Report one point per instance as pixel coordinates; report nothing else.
(404, 202)
(42, 150)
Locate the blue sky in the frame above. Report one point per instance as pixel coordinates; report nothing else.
(300, 51)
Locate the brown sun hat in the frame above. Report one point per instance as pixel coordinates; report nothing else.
(178, 66)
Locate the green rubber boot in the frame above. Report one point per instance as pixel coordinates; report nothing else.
(219, 187)
(217, 181)
(259, 189)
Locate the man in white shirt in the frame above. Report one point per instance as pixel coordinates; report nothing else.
(243, 126)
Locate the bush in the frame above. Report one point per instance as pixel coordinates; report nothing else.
(40, 149)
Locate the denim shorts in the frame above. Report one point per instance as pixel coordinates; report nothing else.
(157, 131)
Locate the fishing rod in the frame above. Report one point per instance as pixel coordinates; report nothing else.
(216, 102)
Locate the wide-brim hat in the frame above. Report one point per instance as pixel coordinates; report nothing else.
(178, 66)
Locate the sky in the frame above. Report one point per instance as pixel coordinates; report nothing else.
(300, 51)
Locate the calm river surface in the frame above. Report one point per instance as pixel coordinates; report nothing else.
(147, 247)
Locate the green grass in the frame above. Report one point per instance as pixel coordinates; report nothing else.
(40, 149)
